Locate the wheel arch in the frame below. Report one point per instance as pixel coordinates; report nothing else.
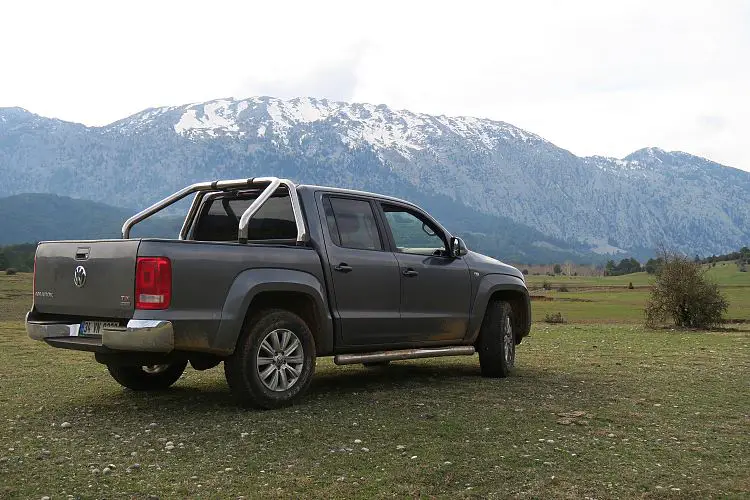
(258, 289)
(501, 287)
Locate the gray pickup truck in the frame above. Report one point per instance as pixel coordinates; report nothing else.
(268, 275)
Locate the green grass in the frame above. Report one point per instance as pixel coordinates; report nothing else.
(594, 299)
(601, 411)
(638, 279)
(725, 273)
(728, 274)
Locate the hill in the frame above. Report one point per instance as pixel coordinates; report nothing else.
(30, 218)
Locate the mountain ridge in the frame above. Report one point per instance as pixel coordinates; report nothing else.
(643, 200)
(124, 122)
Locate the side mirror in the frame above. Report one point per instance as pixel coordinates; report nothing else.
(458, 247)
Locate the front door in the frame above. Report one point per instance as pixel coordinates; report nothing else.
(365, 274)
(435, 287)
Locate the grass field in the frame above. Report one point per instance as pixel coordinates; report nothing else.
(608, 300)
(598, 408)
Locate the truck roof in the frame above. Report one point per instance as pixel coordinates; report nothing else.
(328, 189)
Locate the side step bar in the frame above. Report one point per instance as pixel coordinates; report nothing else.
(427, 352)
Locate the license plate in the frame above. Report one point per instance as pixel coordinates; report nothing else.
(95, 327)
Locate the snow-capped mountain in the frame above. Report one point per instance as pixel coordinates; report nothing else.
(484, 169)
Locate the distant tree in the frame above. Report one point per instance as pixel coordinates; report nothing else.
(609, 268)
(557, 269)
(568, 268)
(740, 256)
(684, 296)
(3, 260)
(654, 265)
(626, 266)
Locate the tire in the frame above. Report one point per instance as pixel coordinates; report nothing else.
(260, 373)
(376, 364)
(497, 346)
(147, 378)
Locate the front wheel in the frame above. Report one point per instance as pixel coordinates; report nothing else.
(147, 378)
(274, 361)
(497, 342)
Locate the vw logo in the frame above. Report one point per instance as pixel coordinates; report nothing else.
(79, 276)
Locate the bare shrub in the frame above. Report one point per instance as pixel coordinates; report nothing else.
(683, 295)
(11, 271)
(554, 318)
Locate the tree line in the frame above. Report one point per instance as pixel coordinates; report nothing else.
(18, 257)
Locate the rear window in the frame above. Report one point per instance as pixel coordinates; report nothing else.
(220, 219)
(351, 223)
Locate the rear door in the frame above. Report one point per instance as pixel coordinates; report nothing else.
(365, 274)
(93, 279)
(435, 287)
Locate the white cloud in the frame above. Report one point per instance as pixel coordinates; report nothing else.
(593, 77)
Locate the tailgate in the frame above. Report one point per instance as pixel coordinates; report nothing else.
(86, 278)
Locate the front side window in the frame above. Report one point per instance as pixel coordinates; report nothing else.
(352, 224)
(412, 234)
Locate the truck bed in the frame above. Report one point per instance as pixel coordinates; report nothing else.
(202, 274)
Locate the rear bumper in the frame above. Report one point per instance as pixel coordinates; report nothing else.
(138, 335)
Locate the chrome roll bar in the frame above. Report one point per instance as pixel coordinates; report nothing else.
(203, 188)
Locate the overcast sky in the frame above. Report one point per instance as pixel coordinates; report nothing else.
(595, 77)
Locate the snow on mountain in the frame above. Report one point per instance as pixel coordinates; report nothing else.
(377, 126)
(489, 167)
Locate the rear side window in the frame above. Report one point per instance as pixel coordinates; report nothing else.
(220, 219)
(352, 224)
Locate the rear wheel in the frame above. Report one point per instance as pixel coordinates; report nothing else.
(497, 342)
(147, 377)
(274, 361)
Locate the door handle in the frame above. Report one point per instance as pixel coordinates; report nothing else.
(410, 273)
(343, 268)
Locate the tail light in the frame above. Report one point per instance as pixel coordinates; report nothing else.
(153, 283)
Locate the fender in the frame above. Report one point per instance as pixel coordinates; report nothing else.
(490, 284)
(250, 283)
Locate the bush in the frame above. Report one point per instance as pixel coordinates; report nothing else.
(525, 272)
(554, 318)
(563, 289)
(684, 296)
(630, 286)
(546, 285)
(11, 271)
